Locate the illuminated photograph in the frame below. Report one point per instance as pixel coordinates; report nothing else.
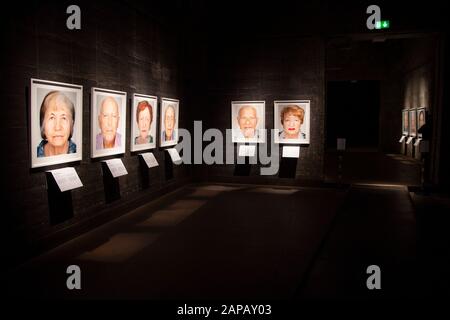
(412, 123)
(169, 122)
(56, 122)
(421, 120)
(292, 121)
(143, 122)
(108, 116)
(405, 122)
(248, 121)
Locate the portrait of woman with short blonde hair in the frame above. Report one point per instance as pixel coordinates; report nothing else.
(291, 121)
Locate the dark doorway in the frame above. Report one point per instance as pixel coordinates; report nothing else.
(352, 113)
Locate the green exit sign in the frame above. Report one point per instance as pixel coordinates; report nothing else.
(384, 24)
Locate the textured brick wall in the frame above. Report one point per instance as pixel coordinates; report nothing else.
(266, 68)
(120, 48)
(207, 55)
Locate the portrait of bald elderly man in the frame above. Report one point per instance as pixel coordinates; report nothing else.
(108, 122)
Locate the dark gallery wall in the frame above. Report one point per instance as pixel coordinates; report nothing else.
(121, 46)
(292, 50)
(206, 54)
(408, 60)
(257, 51)
(352, 113)
(356, 60)
(411, 49)
(405, 65)
(267, 69)
(422, 86)
(443, 174)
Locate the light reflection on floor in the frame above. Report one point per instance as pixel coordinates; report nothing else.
(123, 246)
(212, 191)
(187, 204)
(120, 247)
(166, 218)
(382, 186)
(274, 191)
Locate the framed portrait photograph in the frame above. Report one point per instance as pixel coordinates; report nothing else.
(248, 121)
(143, 122)
(412, 123)
(405, 122)
(421, 119)
(108, 122)
(169, 122)
(292, 121)
(56, 122)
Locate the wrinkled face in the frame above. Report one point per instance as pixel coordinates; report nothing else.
(169, 120)
(291, 124)
(57, 122)
(109, 119)
(247, 120)
(144, 121)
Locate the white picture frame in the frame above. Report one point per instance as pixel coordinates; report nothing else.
(166, 104)
(248, 121)
(63, 146)
(115, 128)
(143, 138)
(412, 123)
(421, 120)
(405, 122)
(295, 129)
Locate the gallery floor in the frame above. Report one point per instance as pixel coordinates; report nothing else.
(371, 166)
(220, 241)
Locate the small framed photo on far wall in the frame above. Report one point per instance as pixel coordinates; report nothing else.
(405, 122)
(421, 120)
(143, 122)
(412, 123)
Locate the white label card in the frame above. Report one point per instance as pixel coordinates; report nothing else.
(66, 178)
(174, 155)
(410, 139)
(341, 144)
(149, 159)
(291, 152)
(247, 151)
(402, 139)
(416, 144)
(116, 167)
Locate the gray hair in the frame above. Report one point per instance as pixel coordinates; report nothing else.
(45, 104)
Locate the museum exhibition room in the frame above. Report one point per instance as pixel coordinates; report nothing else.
(216, 150)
